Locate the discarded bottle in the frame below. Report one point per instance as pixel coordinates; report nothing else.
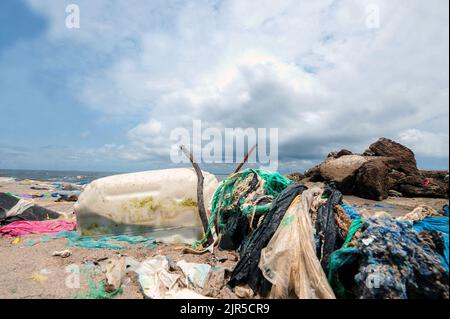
(160, 203)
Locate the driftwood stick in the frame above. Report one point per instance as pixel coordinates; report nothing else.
(200, 201)
(216, 224)
(245, 158)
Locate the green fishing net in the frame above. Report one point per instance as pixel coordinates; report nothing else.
(236, 195)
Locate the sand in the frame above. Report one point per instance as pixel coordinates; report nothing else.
(32, 271)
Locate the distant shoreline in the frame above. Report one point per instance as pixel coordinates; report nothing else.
(64, 175)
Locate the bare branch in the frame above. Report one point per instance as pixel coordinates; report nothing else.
(200, 201)
(245, 158)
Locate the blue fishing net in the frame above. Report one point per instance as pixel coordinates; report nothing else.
(391, 259)
(74, 240)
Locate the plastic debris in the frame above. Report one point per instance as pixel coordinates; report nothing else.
(14, 209)
(244, 291)
(74, 240)
(41, 276)
(115, 270)
(63, 253)
(289, 261)
(246, 193)
(157, 282)
(351, 211)
(31, 242)
(158, 202)
(16, 241)
(397, 263)
(155, 279)
(441, 226)
(246, 270)
(195, 273)
(421, 212)
(328, 238)
(21, 228)
(98, 291)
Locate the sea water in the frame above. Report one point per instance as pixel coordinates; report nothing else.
(55, 176)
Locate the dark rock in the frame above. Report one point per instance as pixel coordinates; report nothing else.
(313, 174)
(369, 153)
(387, 167)
(439, 176)
(439, 186)
(370, 180)
(393, 178)
(394, 193)
(418, 186)
(388, 148)
(332, 154)
(339, 154)
(343, 152)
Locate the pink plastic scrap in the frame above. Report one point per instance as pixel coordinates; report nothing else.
(21, 228)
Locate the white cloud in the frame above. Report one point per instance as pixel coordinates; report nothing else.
(426, 143)
(311, 68)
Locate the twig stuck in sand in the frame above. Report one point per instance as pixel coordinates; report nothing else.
(201, 205)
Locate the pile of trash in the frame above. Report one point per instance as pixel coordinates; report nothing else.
(308, 243)
(68, 192)
(19, 217)
(13, 208)
(240, 201)
(292, 241)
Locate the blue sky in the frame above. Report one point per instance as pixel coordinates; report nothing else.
(107, 95)
(42, 120)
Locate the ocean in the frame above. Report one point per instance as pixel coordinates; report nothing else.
(56, 176)
(62, 176)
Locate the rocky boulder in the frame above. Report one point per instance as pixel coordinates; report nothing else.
(440, 176)
(340, 153)
(421, 186)
(341, 171)
(370, 180)
(385, 168)
(387, 148)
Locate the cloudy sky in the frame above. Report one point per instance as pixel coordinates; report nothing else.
(329, 74)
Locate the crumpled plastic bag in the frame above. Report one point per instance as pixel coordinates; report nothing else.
(196, 274)
(157, 282)
(289, 261)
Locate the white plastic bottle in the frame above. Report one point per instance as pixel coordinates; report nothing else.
(159, 203)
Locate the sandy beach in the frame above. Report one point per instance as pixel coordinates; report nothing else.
(30, 270)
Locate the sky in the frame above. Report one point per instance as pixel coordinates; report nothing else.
(329, 74)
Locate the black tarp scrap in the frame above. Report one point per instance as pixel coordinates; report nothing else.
(327, 233)
(239, 226)
(31, 212)
(235, 231)
(236, 224)
(247, 270)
